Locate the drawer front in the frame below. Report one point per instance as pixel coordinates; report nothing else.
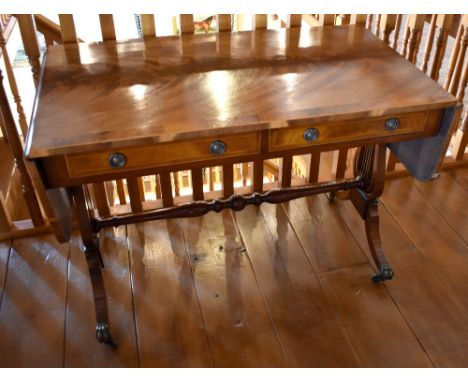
(295, 137)
(131, 158)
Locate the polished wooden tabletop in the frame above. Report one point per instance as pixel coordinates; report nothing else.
(95, 96)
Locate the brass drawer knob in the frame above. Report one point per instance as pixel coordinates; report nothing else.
(117, 160)
(392, 124)
(311, 134)
(217, 147)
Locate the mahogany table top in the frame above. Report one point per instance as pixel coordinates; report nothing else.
(102, 95)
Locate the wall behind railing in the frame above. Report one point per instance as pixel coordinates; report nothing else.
(436, 44)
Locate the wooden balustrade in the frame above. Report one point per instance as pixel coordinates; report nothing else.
(13, 86)
(167, 189)
(16, 146)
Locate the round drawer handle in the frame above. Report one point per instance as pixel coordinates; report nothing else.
(217, 147)
(392, 124)
(311, 134)
(117, 160)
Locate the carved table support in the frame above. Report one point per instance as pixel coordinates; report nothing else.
(369, 163)
(94, 260)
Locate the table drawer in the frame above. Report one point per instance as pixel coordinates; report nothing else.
(294, 137)
(131, 158)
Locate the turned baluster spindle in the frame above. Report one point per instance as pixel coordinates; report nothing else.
(13, 86)
(387, 24)
(377, 24)
(454, 56)
(369, 21)
(443, 23)
(27, 28)
(416, 24)
(397, 31)
(16, 146)
(406, 36)
(463, 82)
(429, 43)
(457, 74)
(460, 150)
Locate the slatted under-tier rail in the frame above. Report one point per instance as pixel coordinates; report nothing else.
(437, 44)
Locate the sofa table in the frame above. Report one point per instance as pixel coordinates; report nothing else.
(115, 110)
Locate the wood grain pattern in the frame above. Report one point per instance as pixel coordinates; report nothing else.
(170, 332)
(281, 267)
(443, 248)
(371, 319)
(237, 321)
(34, 299)
(323, 234)
(154, 73)
(447, 348)
(169, 323)
(448, 199)
(166, 153)
(281, 139)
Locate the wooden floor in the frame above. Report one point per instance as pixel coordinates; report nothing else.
(285, 285)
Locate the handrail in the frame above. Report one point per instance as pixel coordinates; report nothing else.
(51, 31)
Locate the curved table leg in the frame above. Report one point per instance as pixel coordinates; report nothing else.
(385, 271)
(369, 163)
(94, 260)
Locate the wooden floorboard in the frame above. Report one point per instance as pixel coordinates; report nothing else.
(461, 177)
(169, 324)
(323, 234)
(237, 320)
(434, 315)
(300, 310)
(81, 319)
(431, 235)
(32, 315)
(280, 285)
(380, 336)
(450, 200)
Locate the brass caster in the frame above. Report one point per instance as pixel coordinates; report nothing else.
(103, 335)
(385, 273)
